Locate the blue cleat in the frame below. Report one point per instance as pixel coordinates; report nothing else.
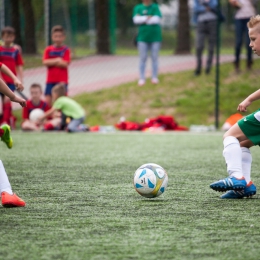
(230, 183)
(248, 192)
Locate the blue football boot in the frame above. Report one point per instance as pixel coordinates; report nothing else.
(230, 183)
(248, 192)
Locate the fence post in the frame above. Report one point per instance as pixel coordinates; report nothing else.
(74, 22)
(112, 26)
(2, 14)
(217, 69)
(47, 21)
(91, 24)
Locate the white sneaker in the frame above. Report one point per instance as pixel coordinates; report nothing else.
(155, 81)
(141, 82)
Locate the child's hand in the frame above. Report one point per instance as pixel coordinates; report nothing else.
(19, 100)
(243, 105)
(18, 84)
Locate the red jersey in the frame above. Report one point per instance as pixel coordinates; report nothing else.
(30, 107)
(57, 74)
(11, 57)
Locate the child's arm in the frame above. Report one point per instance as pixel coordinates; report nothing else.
(9, 73)
(63, 64)
(46, 114)
(59, 62)
(247, 102)
(19, 70)
(7, 92)
(51, 62)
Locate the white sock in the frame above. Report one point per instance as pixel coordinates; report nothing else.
(233, 156)
(246, 163)
(4, 182)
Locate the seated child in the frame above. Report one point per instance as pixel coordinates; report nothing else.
(68, 107)
(33, 103)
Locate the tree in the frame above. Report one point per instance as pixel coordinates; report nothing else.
(183, 30)
(125, 12)
(16, 21)
(102, 24)
(124, 18)
(30, 39)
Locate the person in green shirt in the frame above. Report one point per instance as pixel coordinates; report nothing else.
(147, 16)
(69, 108)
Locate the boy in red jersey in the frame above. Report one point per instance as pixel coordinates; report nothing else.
(31, 104)
(37, 102)
(9, 199)
(56, 58)
(10, 56)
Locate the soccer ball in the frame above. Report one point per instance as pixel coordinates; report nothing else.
(150, 180)
(35, 114)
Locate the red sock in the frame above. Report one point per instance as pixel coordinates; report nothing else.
(7, 112)
(1, 132)
(48, 127)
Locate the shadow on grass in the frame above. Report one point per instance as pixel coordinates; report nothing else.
(155, 201)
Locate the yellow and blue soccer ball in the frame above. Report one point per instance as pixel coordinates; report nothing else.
(150, 180)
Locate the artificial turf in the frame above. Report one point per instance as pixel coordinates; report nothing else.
(81, 203)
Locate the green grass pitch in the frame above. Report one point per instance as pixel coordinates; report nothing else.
(81, 203)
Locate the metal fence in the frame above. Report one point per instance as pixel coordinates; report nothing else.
(33, 20)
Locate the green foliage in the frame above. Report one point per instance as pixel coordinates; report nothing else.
(81, 203)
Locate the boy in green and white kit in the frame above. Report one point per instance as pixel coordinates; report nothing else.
(148, 17)
(69, 108)
(242, 136)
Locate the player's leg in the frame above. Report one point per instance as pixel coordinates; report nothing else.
(233, 157)
(53, 124)
(27, 125)
(48, 99)
(250, 188)
(47, 93)
(246, 159)
(5, 135)
(200, 37)
(239, 39)
(249, 49)
(143, 50)
(7, 108)
(212, 36)
(74, 124)
(9, 199)
(155, 48)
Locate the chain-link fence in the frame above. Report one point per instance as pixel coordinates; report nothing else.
(33, 20)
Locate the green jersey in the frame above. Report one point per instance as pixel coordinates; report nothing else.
(69, 107)
(148, 32)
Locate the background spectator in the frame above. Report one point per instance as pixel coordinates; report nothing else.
(245, 10)
(56, 58)
(34, 102)
(10, 56)
(148, 16)
(205, 12)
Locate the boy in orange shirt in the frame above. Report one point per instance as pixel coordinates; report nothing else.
(56, 58)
